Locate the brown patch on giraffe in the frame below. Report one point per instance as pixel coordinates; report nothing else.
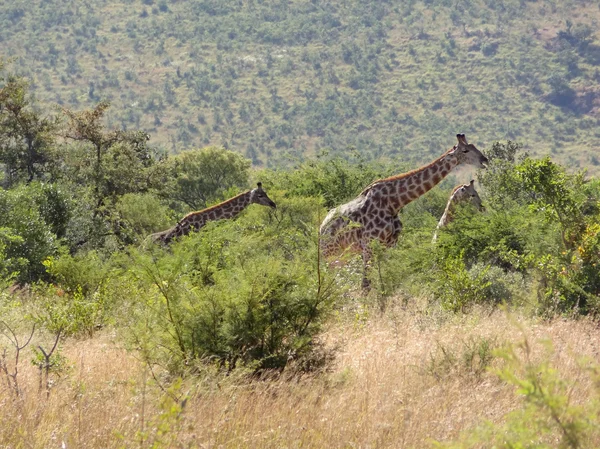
(413, 195)
(395, 202)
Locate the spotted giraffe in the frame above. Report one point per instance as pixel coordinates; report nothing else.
(227, 209)
(374, 213)
(463, 192)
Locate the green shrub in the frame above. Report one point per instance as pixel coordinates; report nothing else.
(334, 179)
(28, 239)
(140, 214)
(501, 286)
(239, 293)
(458, 288)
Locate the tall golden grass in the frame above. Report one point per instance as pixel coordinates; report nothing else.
(400, 380)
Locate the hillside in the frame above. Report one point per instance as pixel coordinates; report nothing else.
(280, 80)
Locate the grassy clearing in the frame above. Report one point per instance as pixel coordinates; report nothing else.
(401, 379)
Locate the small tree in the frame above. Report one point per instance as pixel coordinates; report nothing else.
(109, 164)
(26, 137)
(203, 176)
(553, 192)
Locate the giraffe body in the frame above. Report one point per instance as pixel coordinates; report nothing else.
(227, 209)
(461, 193)
(374, 213)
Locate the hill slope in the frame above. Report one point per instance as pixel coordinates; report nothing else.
(283, 79)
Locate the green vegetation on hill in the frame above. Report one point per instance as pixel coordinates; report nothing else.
(279, 81)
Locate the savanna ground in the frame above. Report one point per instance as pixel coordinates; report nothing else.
(402, 378)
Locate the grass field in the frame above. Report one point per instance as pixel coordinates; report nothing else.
(399, 380)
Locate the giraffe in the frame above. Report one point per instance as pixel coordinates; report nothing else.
(463, 192)
(374, 213)
(227, 209)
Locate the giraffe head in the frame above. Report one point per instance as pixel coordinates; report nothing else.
(468, 192)
(259, 196)
(467, 153)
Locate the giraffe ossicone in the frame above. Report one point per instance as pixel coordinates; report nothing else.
(227, 209)
(373, 214)
(461, 193)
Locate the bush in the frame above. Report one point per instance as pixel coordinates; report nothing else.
(84, 294)
(28, 240)
(500, 286)
(334, 179)
(458, 288)
(141, 214)
(235, 293)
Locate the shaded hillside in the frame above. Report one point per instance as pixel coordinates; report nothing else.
(279, 80)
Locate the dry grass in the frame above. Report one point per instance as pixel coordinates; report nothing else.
(391, 387)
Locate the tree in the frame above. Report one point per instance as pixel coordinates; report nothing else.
(26, 137)
(119, 161)
(108, 164)
(203, 176)
(554, 192)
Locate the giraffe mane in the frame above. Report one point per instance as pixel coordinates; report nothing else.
(216, 206)
(458, 187)
(407, 174)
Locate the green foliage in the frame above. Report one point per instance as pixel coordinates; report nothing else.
(140, 214)
(9, 266)
(334, 179)
(500, 286)
(111, 162)
(71, 313)
(28, 240)
(458, 288)
(83, 272)
(500, 180)
(233, 294)
(26, 138)
(201, 177)
(554, 193)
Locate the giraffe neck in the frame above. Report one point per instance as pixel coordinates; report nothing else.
(196, 220)
(398, 191)
(456, 197)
